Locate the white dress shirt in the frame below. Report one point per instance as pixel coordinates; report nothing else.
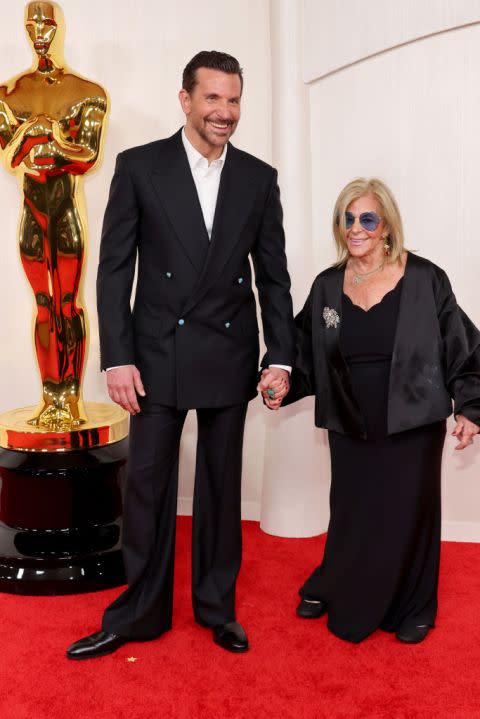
(207, 181)
(206, 178)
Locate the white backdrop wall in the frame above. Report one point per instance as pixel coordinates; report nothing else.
(332, 90)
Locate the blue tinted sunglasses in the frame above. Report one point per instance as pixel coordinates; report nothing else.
(368, 220)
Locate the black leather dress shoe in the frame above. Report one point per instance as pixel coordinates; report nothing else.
(413, 635)
(311, 608)
(231, 637)
(95, 645)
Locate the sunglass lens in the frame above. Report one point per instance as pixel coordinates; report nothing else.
(369, 221)
(349, 219)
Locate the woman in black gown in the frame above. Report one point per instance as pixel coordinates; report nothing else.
(383, 390)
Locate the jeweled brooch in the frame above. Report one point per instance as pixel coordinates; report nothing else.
(331, 317)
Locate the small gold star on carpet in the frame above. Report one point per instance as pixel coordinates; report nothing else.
(131, 659)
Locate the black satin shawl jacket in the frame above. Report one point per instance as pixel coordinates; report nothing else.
(436, 356)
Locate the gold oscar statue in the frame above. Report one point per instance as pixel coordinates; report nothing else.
(62, 463)
(51, 132)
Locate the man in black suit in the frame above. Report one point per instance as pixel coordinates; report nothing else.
(192, 208)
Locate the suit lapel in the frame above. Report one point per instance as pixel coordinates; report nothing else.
(236, 195)
(173, 182)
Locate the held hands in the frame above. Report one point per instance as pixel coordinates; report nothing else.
(274, 386)
(465, 431)
(123, 384)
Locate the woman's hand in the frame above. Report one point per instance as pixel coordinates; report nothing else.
(465, 431)
(276, 380)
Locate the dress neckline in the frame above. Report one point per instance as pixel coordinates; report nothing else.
(376, 303)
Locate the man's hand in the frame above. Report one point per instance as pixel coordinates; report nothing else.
(123, 385)
(278, 382)
(465, 431)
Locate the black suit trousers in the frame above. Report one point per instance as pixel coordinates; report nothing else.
(144, 610)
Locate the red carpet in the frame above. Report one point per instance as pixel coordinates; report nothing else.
(295, 669)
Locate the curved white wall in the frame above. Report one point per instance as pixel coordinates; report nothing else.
(338, 34)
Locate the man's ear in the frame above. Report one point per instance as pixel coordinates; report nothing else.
(185, 101)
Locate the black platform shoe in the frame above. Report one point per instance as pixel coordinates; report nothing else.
(413, 635)
(311, 608)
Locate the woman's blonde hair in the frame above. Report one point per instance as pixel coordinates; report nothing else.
(388, 210)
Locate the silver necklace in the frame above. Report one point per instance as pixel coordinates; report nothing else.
(358, 277)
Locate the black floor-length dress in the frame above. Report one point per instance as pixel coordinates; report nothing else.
(380, 567)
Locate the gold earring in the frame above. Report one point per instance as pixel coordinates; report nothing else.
(386, 245)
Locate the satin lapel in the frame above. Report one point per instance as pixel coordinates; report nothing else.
(406, 309)
(236, 195)
(405, 339)
(173, 182)
(352, 419)
(332, 295)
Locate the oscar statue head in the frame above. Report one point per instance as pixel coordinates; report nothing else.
(45, 28)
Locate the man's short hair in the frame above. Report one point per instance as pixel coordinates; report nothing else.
(213, 60)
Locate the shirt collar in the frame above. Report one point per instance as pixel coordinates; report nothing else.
(196, 159)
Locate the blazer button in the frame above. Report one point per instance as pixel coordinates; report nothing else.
(240, 280)
(227, 325)
(181, 322)
(168, 275)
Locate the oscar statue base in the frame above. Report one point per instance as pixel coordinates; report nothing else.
(61, 507)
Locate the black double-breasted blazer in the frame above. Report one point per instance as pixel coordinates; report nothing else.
(436, 356)
(193, 330)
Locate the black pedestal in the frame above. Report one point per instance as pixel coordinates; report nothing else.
(60, 520)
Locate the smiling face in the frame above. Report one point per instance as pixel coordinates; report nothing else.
(212, 110)
(41, 26)
(362, 243)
